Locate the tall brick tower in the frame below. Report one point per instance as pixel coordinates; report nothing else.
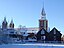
(4, 24)
(43, 22)
(11, 25)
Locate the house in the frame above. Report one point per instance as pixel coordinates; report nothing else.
(62, 39)
(42, 35)
(32, 37)
(11, 36)
(25, 35)
(54, 35)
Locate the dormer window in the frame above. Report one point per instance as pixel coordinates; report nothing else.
(54, 31)
(42, 32)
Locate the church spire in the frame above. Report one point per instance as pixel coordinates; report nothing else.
(43, 14)
(4, 19)
(4, 23)
(12, 21)
(43, 22)
(11, 24)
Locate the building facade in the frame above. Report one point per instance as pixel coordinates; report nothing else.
(42, 36)
(54, 35)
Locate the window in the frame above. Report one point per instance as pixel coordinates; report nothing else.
(45, 25)
(54, 31)
(32, 30)
(43, 37)
(54, 38)
(42, 32)
(11, 32)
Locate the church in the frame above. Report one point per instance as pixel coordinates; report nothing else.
(5, 24)
(9, 34)
(43, 34)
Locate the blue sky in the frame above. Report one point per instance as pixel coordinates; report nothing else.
(27, 12)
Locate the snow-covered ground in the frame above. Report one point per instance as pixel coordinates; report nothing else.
(31, 46)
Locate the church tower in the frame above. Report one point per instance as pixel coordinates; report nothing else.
(4, 24)
(11, 25)
(43, 22)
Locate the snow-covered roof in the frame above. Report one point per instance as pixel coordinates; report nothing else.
(29, 39)
(26, 34)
